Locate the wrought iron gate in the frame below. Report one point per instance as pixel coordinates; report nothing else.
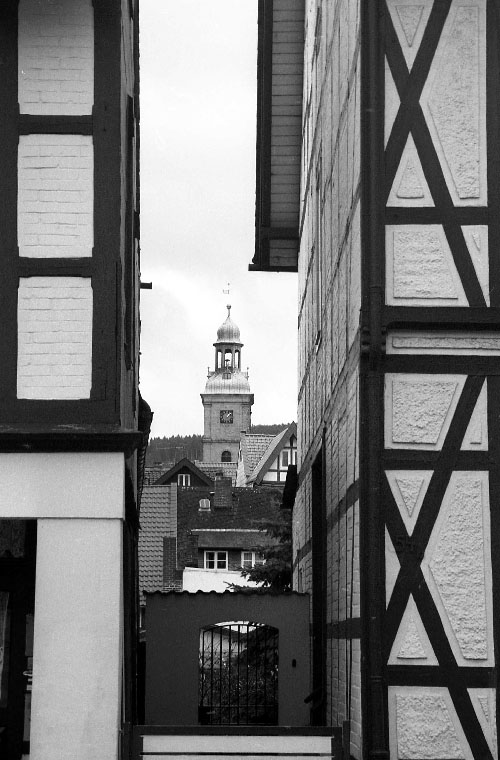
(238, 683)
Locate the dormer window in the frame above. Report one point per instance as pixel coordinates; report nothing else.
(226, 456)
(215, 560)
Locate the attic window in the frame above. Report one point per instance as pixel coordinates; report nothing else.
(204, 505)
(184, 479)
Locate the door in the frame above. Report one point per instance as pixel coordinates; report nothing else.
(17, 592)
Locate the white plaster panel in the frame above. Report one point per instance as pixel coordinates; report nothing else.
(77, 655)
(454, 102)
(392, 567)
(476, 435)
(54, 338)
(392, 102)
(420, 270)
(410, 19)
(411, 645)
(423, 725)
(56, 57)
(409, 488)
(55, 196)
(484, 703)
(444, 343)
(419, 409)
(410, 187)
(476, 238)
(457, 568)
(87, 485)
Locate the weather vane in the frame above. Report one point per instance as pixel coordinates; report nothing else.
(226, 291)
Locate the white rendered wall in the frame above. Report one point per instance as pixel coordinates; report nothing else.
(77, 663)
(198, 579)
(78, 499)
(62, 485)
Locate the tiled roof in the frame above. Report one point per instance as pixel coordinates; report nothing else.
(158, 519)
(232, 539)
(253, 445)
(211, 469)
(251, 509)
(151, 474)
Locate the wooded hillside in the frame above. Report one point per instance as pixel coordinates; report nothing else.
(174, 447)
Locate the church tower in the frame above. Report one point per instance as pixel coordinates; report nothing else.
(227, 401)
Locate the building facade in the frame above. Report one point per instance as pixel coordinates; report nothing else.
(72, 427)
(264, 459)
(199, 538)
(378, 182)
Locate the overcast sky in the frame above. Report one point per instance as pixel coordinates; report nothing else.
(198, 127)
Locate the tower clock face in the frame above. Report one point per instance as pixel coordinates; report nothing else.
(226, 415)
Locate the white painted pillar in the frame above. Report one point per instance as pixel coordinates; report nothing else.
(78, 640)
(78, 502)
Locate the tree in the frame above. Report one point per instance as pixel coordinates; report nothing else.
(275, 574)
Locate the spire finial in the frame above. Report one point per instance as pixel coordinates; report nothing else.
(228, 307)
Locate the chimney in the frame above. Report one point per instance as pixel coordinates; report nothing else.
(172, 576)
(223, 496)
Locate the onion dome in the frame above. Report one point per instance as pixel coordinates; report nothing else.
(228, 332)
(228, 382)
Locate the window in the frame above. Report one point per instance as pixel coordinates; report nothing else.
(184, 479)
(205, 505)
(250, 559)
(226, 416)
(215, 560)
(226, 456)
(288, 456)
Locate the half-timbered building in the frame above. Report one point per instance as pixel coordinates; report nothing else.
(378, 181)
(71, 444)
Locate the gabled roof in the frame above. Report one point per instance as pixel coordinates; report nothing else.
(272, 452)
(158, 519)
(253, 446)
(183, 464)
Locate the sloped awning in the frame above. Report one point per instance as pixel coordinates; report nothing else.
(231, 539)
(280, 65)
